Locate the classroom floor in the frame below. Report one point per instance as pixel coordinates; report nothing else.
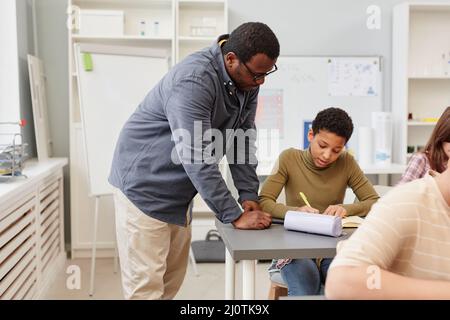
(209, 284)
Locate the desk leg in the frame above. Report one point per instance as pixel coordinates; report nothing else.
(248, 280)
(383, 179)
(229, 276)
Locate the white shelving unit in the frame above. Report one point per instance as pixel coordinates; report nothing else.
(134, 11)
(183, 28)
(199, 24)
(420, 72)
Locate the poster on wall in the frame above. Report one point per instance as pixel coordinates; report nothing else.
(307, 124)
(358, 76)
(269, 114)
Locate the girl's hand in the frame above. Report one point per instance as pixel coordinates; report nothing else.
(335, 210)
(307, 209)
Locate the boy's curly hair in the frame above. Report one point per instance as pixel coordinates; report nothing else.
(334, 120)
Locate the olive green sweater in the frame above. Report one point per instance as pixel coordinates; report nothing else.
(296, 171)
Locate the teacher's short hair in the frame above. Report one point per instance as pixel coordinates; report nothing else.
(252, 38)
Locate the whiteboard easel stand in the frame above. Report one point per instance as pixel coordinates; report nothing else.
(94, 247)
(96, 191)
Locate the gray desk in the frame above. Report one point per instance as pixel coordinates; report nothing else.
(272, 243)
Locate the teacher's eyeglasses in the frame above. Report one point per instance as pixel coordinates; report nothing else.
(259, 76)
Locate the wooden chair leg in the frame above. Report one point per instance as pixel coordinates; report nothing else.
(282, 292)
(272, 291)
(277, 291)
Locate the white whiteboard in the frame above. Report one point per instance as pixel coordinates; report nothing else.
(109, 93)
(303, 86)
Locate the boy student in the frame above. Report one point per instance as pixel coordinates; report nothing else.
(437, 151)
(402, 249)
(322, 172)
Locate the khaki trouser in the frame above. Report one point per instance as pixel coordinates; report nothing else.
(153, 254)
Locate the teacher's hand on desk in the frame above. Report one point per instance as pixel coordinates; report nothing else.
(249, 205)
(255, 219)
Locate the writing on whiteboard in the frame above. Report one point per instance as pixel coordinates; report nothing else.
(295, 74)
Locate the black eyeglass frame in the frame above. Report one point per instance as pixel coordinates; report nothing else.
(257, 77)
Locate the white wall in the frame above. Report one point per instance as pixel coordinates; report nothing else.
(52, 41)
(325, 27)
(25, 46)
(15, 101)
(9, 75)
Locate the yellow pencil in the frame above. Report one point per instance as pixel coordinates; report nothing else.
(304, 199)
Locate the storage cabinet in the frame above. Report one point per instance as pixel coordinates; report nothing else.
(421, 73)
(31, 231)
(179, 27)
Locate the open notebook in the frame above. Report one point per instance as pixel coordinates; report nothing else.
(352, 222)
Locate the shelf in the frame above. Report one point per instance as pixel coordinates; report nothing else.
(443, 77)
(432, 7)
(120, 38)
(203, 4)
(103, 3)
(421, 124)
(197, 39)
(393, 168)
